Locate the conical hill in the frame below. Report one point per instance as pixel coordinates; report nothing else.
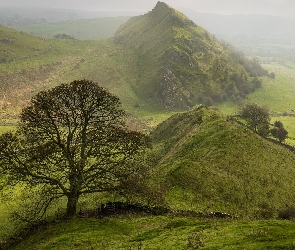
(181, 64)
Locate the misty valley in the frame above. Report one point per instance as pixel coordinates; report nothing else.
(169, 129)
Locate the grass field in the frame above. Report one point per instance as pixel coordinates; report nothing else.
(6, 128)
(278, 94)
(163, 232)
(99, 28)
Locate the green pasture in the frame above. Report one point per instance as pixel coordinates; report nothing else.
(162, 232)
(278, 94)
(93, 29)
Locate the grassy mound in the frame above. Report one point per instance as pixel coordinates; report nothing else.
(210, 164)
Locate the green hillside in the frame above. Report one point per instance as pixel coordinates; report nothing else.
(84, 29)
(211, 164)
(17, 45)
(181, 64)
(157, 61)
(202, 161)
(111, 65)
(162, 232)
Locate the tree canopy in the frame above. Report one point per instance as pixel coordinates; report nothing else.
(71, 140)
(257, 117)
(279, 131)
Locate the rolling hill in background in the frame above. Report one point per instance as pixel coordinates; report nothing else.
(19, 45)
(271, 28)
(201, 160)
(210, 163)
(160, 60)
(255, 35)
(83, 29)
(181, 64)
(15, 17)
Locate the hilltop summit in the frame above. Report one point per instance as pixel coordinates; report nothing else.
(181, 64)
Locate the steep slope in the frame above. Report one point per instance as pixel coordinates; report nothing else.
(211, 164)
(157, 60)
(28, 72)
(181, 64)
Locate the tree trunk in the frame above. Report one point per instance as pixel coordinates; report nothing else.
(73, 194)
(71, 206)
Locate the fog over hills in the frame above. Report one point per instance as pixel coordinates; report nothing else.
(271, 7)
(248, 25)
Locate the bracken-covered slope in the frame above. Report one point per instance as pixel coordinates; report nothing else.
(210, 164)
(181, 64)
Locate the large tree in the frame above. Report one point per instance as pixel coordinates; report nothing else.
(71, 140)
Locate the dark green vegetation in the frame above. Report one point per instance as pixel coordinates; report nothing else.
(257, 118)
(162, 232)
(278, 131)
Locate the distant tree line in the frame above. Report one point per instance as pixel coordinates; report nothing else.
(63, 36)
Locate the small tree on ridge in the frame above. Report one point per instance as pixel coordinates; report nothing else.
(257, 117)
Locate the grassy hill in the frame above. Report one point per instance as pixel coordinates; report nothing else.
(33, 64)
(16, 45)
(162, 232)
(201, 160)
(211, 164)
(181, 64)
(157, 61)
(83, 29)
(206, 163)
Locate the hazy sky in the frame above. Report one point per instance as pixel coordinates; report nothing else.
(273, 7)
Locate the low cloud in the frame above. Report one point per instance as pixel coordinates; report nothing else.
(272, 7)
